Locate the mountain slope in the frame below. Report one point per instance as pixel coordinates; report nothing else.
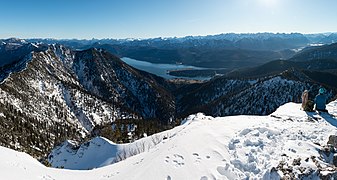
(320, 52)
(60, 94)
(278, 66)
(234, 147)
(13, 50)
(110, 78)
(34, 107)
(233, 96)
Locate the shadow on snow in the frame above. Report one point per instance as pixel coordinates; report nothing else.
(332, 119)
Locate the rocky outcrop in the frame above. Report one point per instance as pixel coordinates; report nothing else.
(325, 166)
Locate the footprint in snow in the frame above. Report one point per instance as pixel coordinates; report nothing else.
(167, 159)
(178, 160)
(226, 171)
(47, 177)
(292, 150)
(198, 159)
(204, 178)
(110, 175)
(138, 162)
(178, 156)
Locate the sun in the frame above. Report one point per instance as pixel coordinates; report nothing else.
(269, 3)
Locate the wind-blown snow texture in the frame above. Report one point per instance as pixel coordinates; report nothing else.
(203, 147)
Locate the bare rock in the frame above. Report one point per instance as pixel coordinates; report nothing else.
(297, 162)
(333, 140)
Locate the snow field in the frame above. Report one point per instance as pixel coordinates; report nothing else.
(203, 147)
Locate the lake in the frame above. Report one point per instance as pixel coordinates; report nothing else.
(161, 69)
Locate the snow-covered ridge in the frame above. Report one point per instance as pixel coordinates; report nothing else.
(17, 67)
(15, 54)
(234, 147)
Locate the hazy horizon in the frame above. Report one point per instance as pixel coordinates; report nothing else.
(87, 19)
(88, 39)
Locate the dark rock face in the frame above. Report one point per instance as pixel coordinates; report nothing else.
(333, 140)
(329, 151)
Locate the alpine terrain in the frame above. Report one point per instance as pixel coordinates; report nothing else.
(54, 93)
(288, 144)
(168, 90)
(76, 105)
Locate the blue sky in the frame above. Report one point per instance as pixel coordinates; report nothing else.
(86, 19)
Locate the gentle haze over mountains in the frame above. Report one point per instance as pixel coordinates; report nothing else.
(152, 18)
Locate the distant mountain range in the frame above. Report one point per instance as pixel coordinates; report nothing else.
(230, 40)
(215, 51)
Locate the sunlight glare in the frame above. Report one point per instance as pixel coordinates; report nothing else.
(268, 3)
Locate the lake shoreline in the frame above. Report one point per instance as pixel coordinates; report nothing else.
(164, 70)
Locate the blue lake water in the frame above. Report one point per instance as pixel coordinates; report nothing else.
(160, 69)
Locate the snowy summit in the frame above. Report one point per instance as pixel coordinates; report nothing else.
(288, 143)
